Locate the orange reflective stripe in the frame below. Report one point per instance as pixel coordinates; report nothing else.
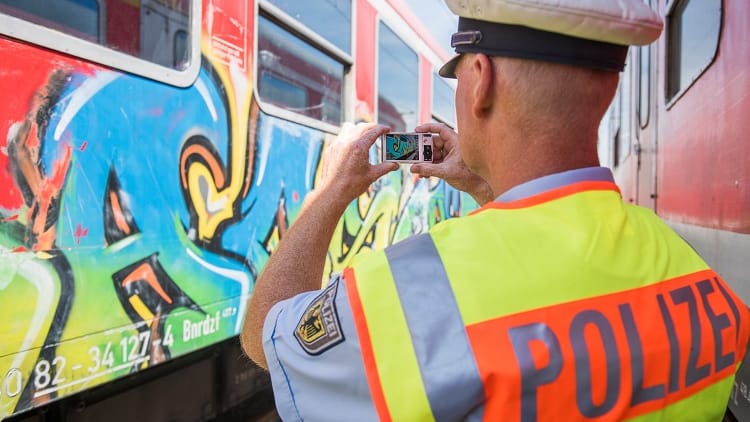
(371, 369)
(550, 195)
(648, 347)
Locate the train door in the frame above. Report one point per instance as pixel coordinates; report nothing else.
(628, 131)
(619, 149)
(645, 145)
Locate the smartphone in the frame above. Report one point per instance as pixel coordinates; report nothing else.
(401, 147)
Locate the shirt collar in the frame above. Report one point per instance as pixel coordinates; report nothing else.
(554, 181)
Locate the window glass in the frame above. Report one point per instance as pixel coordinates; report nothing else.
(606, 138)
(626, 115)
(332, 19)
(160, 23)
(296, 76)
(443, 101)
(398, 82)
(644, 85)
(693, 28)
(153, 30)
(76, 17)
(181, 53)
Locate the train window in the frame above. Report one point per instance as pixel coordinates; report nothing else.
(398, 82)
(77, 17)
(443, 101)
(644, 81)
(332, 19)
(161, 23)
(693, 29)
(295, 76)
(152, 38)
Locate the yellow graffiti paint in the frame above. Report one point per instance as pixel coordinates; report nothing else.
(141, 309)
(214, 205)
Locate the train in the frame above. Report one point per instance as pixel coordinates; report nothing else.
(676, 136)
(153, 153)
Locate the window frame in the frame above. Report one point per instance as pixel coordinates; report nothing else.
(40, 35)
(674, 98)
(301, 31)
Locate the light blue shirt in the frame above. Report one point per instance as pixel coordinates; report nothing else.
(554, 181)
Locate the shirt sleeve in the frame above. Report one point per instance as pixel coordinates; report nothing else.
(313, 354)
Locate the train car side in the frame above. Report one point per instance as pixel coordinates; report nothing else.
(144, 188)
(677, 137)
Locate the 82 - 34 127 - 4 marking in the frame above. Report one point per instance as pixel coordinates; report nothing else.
(50, 376)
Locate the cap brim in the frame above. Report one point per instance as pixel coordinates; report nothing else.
(448, 70)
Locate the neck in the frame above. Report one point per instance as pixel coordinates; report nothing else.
(521, 159)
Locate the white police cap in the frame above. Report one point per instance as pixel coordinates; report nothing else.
(591, 33)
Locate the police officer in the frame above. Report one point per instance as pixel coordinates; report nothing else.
(554, 300)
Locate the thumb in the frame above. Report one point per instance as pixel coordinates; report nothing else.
(428, 170)
(382, 169)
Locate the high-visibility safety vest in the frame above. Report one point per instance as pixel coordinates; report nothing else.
(567, 305)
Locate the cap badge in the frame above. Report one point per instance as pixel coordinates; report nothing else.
(466, 38)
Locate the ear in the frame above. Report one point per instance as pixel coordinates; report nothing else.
(484, 78)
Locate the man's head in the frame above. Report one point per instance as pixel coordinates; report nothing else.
(535, 76)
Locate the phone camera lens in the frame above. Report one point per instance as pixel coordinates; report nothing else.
(427, 153)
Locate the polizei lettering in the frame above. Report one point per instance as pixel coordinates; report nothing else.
(194, 330)
(615, 356)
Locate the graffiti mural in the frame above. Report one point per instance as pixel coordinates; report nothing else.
(112, 232)
(135, 216)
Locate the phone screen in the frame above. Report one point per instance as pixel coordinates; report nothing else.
(402, 146)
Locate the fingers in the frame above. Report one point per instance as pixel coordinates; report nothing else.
(345, 163)
(446, 136)
(381, 169)
(420, 170)
(440, 128)
(428, 170)
(362, 135)
(346, 132)
(371, 133)
(351, 132)
(431, 127)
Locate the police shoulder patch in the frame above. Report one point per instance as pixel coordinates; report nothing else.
(319, 328)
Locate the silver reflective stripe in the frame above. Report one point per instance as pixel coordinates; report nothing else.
(446, 362)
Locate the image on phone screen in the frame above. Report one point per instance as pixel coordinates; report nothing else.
(401, 146)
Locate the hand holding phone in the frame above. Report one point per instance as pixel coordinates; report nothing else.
(450, 166)
(345, 167)
(403, 147)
